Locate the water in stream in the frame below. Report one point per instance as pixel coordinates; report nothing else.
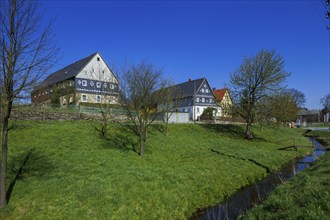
(248, 196)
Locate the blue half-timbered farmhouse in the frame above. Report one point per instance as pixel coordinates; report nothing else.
(196, 96)
(89, 80)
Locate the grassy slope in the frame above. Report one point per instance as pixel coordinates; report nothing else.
(322, 136)
(307, 196)
(71, 173)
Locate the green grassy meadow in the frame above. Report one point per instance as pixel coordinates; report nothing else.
(64, 170)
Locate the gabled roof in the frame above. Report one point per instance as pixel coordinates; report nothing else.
(67, 72)
(190, 87)
(220, 93)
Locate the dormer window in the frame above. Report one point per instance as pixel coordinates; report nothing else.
(98, 58)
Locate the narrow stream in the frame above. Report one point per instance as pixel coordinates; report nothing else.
(248, 196)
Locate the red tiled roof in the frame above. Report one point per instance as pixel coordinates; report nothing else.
(219, 93)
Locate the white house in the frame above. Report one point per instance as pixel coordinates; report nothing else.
(196, 95)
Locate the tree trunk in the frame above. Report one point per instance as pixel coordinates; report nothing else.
(3, 199)
(248, 131)
(141, 145)
(166, 127)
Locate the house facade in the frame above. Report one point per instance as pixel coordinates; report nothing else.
(224, 100)
(195, 97)
(89, 80)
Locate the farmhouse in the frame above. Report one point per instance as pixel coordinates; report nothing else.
(89, 80)
(224, 100)
(196, 95)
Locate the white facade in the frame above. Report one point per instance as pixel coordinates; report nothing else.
(196, 111)
(97, 69)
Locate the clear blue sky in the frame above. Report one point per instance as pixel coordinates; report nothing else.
(193, 39)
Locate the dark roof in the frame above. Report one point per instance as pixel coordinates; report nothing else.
(190, 87)
(67, 72)
(309, 112)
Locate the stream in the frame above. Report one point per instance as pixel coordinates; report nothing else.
(248, 196)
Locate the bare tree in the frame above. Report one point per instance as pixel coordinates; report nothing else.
(170, 98)
(255, 79)
(139, 98)
(325, 101)
(27, 52)
(106, 100)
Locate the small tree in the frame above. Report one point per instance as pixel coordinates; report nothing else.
(107, 97)
(26, 53)
(325, 102)
(170, 98)
(139, 98)
(278, 108)
(255, 79)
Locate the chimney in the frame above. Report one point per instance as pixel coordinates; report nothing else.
(214, 89)
(189, 80)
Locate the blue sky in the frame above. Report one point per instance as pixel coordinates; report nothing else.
(193, 39)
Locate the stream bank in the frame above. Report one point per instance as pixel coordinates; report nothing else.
(247, 197)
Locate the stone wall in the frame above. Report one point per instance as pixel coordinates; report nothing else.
(60, 116)
(45, 115)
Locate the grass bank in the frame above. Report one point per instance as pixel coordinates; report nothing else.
(322, 136)
(64, 170)
(306, 196)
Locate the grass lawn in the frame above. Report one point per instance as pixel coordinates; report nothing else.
(64, 170)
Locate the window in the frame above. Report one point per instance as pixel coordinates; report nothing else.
(84, 82)
(112, 86)
(84, 98)
(207, 90)
(202, 90)
(197, 99)
(98, 84)
(211, 100)
(98, 59)
(183, 110)
(98, 98)
(197, 110)
(203, 99)
(70, 99)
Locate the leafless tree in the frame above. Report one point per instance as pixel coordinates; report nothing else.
(106, 100)
(139, 98)
(325, 101)
(27, 52)
(170, 98)
(255, 79)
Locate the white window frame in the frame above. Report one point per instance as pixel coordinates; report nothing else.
(203, 99)
(82, 97)
(84, 82)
